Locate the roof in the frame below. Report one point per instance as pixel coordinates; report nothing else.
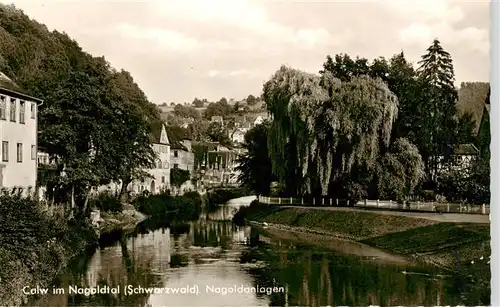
(466, 150)
(472, 98)
(156, 129)
(176, 135)
(9, 87)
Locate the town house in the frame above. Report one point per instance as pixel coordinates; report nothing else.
(18, 134)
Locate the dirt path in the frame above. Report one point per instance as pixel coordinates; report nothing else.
(445, 217)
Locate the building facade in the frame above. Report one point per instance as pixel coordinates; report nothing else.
(18, 137)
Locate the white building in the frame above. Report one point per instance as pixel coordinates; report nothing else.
(161, 173)
(238, 135)
(18, 134)
(259, 120)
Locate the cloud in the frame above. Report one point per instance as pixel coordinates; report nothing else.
(163, 38)
(180, 49)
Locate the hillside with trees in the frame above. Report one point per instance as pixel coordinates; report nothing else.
(94, 119)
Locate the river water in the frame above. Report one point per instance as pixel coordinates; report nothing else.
(227, 265)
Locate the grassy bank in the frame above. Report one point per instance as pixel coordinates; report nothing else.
(34, 245)
(448, 245)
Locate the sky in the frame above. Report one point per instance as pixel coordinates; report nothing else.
(177, 50)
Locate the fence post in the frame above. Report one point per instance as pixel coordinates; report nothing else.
(448, 207)
(347, 203)
(390, 204)
(279, 200)
(484, 208)
(432, 206)
(323, 201)
(366, 203)
(291, 200)
(331, 199)
(314, 201)
(418, 205)
(302, 200)
(337, 202)
(378, 203)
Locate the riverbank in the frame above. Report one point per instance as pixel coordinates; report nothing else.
(35, 246)
(458, 247)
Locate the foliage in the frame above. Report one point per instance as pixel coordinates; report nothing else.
(469, 186)
(251, 100)
(400, 171)
(178, 176)
(187, 206)
(255, 166)
(326, 127)
(219, 108)
(217, 133)
(106, 202)
(34, 244)
(199, 103)
(186, 112)
(221, 196)
(95, 120)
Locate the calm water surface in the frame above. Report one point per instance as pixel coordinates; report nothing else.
(246, 261)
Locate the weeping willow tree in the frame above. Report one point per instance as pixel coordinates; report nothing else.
(400, 170)
(323, 128)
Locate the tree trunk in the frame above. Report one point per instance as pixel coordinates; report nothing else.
(123, 190)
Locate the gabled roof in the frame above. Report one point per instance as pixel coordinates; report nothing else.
(466, 150)
(156, 131)
(176, 137)
(9, 87)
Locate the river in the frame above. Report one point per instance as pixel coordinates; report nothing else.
(227, 265)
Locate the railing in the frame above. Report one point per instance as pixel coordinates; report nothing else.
(380, 204)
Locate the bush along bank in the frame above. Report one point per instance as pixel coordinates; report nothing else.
(461, 248)
(183, 207)
(222, 196)
(34, 245)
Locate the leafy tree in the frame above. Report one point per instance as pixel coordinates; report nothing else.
(400, 171)
(324, 128)
(186, 112)
(220, 108)
(95, 120)
(255, 165)
(197, 103)
(178, 176)
(217, 133)
(251, 100)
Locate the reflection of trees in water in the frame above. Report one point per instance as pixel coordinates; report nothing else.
(212, 234)
(323, 278)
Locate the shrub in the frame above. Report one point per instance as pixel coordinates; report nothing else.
(106, 202)
(187, 206)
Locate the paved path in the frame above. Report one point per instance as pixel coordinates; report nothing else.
(445, 217)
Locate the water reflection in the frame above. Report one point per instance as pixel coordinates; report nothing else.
(214, 252)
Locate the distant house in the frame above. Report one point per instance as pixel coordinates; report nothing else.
(18, 134)
(259, 120)
(238, 135)
(464, 155)
(181, 155)
(217, 119)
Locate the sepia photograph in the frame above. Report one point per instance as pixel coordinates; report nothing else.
(245, 153)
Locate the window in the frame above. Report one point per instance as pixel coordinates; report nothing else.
(12, 110)
(176, 153)
(3, 107)
(158, 164)
(162, 179)
(5, 151)
(165, 165)
(33, 110)
(22, 105)
(33, 152)
(19, 152)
